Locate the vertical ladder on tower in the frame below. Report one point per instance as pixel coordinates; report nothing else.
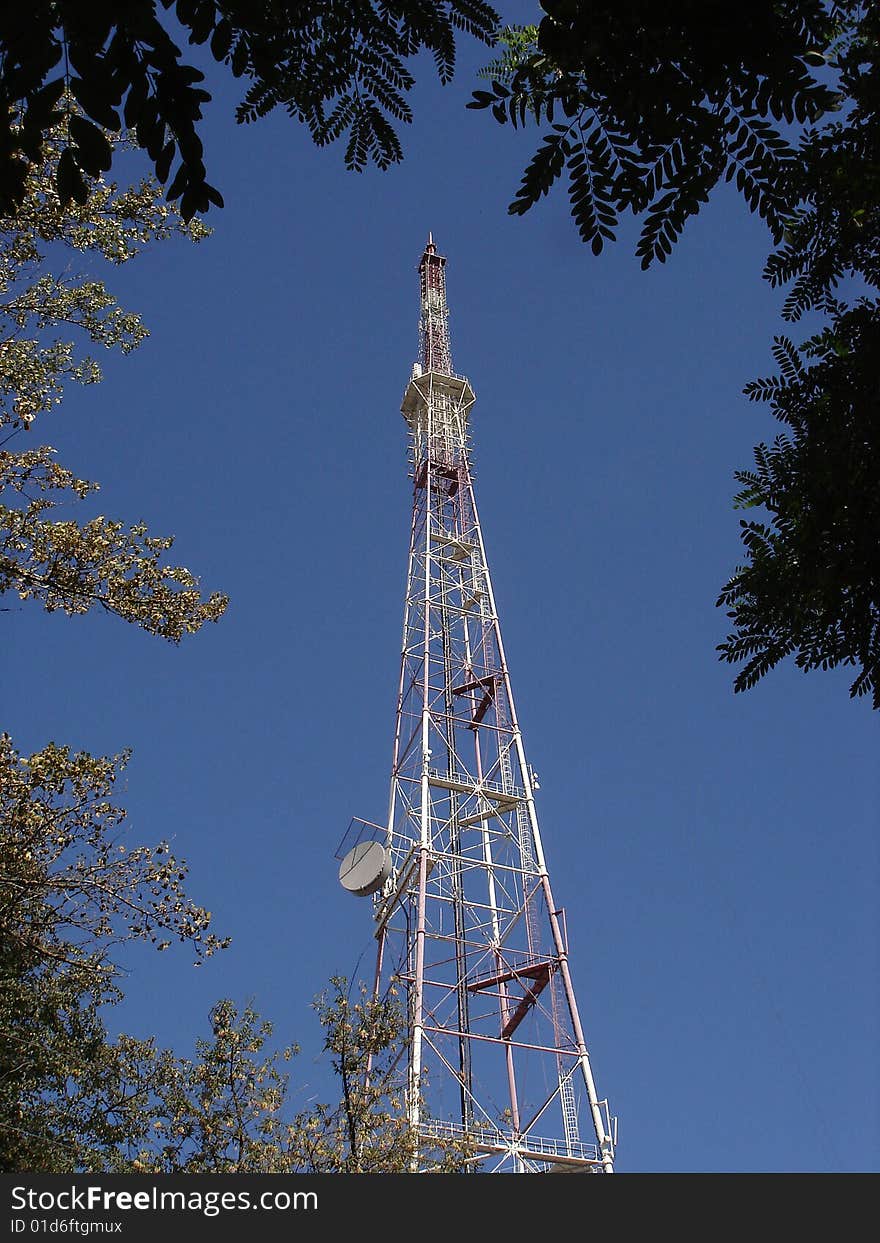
(566, 1079)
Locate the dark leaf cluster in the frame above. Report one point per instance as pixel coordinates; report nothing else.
(121, 66)
(341, 69)
(647, 108)
(835, 231)
(650, 106)
(338, 68)
(811, 586)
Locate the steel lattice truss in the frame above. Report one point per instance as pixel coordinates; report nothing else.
(466, 923)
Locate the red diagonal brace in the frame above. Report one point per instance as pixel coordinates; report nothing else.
(526, 1004)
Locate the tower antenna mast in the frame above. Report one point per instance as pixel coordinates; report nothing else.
(466, 923)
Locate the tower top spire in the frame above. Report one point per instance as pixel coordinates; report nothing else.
(435, 353)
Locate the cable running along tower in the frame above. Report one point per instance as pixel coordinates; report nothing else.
(466, 922)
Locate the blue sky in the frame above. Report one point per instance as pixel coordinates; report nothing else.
(716, 855)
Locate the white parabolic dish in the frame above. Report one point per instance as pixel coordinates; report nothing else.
(365, 869)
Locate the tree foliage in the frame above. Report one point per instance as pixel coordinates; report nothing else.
(340, 69)
(367, 1131)
(75, 567)
(64, 564)
(49, 253)
(220, 1112)
(71, 891)
(71, 888)
(647, 109)
(128, 1106)
(811, 586)
(228, 1110)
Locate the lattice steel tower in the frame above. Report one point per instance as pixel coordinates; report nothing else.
(466, 922)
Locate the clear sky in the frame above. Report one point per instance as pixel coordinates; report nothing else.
(716, 854)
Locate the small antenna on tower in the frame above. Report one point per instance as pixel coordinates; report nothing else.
(435, 352)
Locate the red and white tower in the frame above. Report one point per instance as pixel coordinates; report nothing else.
(467, 926)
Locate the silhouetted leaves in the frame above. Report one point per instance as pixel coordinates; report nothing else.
(93, 151)
(545, 166)
(663, 102)
(70, 181)
(811, 586)
(99, 105)
(338, 69)
(673, 98)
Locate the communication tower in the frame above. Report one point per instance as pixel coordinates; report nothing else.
(465, 919)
